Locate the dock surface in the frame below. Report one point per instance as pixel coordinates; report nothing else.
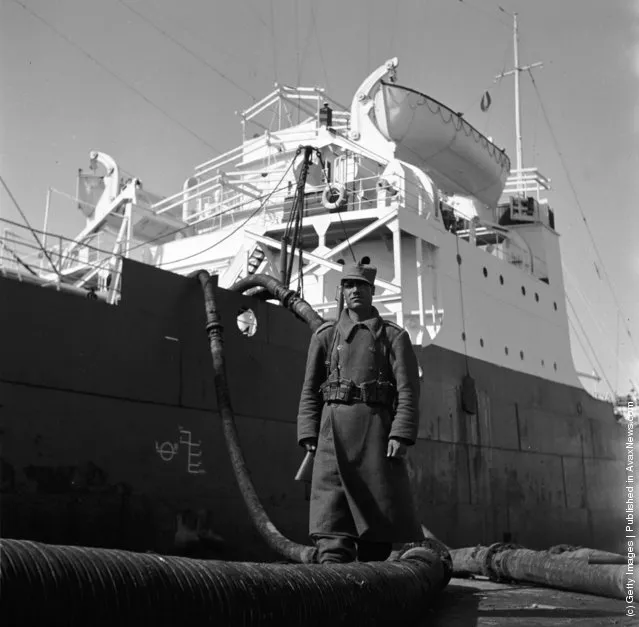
(480, 603)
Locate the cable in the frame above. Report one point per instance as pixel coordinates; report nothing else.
(26, 221)
(581, 211)
(181, 45)
(485, 13)
(241, 226)
(393, 31)
(319, 48)
(339, 215)
(114, 75)
(273, 48)
(26, 266)
(603, 372)
(461, 305)
(307, 40)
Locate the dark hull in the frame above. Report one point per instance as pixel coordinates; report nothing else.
(90, 394)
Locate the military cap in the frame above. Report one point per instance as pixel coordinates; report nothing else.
(359, 272)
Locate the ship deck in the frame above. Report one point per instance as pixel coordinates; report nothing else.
(480, 603)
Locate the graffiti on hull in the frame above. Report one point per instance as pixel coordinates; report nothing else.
(168, 451)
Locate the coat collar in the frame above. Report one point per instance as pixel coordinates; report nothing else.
(346, 325)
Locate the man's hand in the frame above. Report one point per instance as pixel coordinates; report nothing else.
(396, 448)
(310, 444)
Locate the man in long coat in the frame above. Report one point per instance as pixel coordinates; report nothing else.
(359, 412)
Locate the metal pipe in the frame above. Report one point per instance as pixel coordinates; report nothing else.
(79, 586)
(507, 562)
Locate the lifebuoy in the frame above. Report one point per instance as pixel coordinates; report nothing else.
(334, 196)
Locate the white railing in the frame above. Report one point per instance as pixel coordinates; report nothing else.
(89, 270)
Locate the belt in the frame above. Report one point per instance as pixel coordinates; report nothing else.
(346, 392)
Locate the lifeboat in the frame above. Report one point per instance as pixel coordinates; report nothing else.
(459, 159)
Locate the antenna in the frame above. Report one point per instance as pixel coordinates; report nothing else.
(516, 70)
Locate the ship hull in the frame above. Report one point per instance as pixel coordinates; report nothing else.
(111, 436)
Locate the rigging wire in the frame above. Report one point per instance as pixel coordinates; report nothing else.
(393, 30)
(256, 13)
(486, 14)
(190, 225)
(297, 44)
(461, 306)
(368, 42)
(307, 40)
(339, 215)
(114, 75)
(26, 221)
(25, 265)
(241, 226)
(601, 370)
(474, 101)
(187, 50)
(580, 208)
(273, 40)
(319, 48)
(575, 288)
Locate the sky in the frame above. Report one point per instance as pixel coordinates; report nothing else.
(156, 84)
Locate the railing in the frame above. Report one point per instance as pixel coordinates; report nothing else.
(526, 181)
(90, 271)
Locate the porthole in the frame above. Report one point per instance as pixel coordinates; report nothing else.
(485, 272)
(501, 279)
(365, 261)
(246, 322)
(555, 365)
(506, 350)
(481, 342)
(523, 290)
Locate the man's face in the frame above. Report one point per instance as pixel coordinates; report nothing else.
(357, 294)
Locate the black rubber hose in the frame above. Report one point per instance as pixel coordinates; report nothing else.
(278, 542)
(287, 297)
(76, 586)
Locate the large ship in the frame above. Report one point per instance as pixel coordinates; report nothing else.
(111, 435)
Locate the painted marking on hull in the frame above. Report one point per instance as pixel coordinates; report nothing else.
(168, 450)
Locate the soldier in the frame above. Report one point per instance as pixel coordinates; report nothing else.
(359, 412)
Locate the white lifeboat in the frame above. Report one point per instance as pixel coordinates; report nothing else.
(434, 138)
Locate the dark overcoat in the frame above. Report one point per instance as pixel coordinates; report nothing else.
(356, 490)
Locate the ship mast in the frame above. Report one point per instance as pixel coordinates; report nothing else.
(515, 71)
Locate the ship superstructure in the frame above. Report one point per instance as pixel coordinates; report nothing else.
(467, 250)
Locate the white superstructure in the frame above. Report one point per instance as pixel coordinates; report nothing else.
(460, 264)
